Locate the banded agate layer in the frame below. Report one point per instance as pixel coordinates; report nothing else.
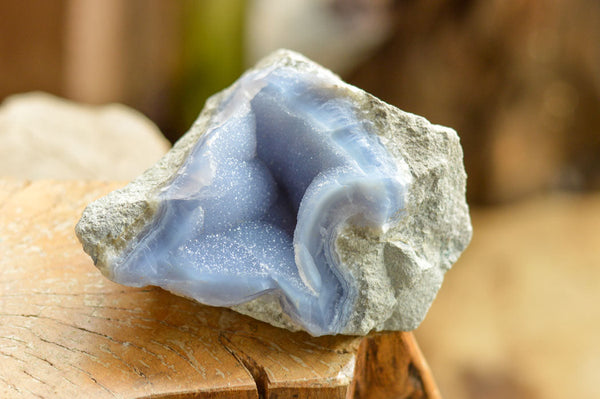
(260, 199)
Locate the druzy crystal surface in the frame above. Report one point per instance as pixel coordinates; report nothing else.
(265, 207)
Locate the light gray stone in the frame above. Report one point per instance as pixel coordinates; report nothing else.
(46, 137)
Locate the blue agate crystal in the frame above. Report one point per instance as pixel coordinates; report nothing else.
(256, 207)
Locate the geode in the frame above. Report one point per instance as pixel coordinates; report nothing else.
(297, 199)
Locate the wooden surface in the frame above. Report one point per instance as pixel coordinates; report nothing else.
(66, 331)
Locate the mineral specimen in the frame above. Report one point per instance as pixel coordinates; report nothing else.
(297, 199)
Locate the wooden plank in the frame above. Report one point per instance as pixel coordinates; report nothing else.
(384, 358)
(66, 331)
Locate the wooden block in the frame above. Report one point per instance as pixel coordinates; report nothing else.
(66, 331)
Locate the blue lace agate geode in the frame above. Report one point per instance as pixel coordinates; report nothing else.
(285, 164)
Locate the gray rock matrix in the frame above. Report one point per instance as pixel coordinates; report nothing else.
(397, 272)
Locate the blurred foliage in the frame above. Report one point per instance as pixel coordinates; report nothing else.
(212, 51)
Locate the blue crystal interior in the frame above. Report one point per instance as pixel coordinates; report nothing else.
(260, 199)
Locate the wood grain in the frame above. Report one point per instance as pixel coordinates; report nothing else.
(66, 331)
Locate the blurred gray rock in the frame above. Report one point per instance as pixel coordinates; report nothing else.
(46, 137)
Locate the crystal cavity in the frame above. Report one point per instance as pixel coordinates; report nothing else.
(282, 165)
